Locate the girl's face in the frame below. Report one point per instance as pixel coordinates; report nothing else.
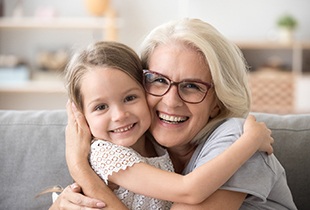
(175, 123)
(115, 106)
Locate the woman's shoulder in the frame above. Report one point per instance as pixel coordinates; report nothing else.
(236, 122)
(228, 126)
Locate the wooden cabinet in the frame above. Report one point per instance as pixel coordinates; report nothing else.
(279, 76)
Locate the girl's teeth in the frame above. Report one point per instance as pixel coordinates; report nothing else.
(120, 130)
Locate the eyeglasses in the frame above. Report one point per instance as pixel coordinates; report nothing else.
(190, 91)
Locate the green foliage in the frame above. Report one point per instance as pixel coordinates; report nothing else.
(287, 21)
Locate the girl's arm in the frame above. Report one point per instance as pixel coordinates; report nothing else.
(77, 149)
(196, 186)
(219, 200)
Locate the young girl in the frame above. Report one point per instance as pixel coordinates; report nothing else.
(105, 83)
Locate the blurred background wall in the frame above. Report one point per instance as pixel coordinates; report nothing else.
(239, 20)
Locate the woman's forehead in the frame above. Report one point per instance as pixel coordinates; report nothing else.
(179, 62)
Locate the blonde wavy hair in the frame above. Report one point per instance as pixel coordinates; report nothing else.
(226, 63)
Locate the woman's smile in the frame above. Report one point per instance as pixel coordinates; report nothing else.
(172, 119)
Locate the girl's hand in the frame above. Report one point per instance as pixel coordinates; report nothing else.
(78, 138)
(260, 132)
(71, 198)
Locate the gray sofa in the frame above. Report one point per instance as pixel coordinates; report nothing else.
(32, 155)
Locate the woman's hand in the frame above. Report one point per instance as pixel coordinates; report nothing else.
(78, 138)
(259, 131)
(71, 199)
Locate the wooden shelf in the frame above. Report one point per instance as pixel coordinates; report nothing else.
(272, 45)
(294, 56)
(108, 24)
(54, 23)
(48, 82)
(33, 87)
(40, 82)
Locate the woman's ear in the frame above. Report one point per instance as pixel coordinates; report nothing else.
(215, 111)
(216, 108)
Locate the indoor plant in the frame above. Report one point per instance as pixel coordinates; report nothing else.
(287, 24)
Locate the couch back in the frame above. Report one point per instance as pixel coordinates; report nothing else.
(32, 155)
(292, 148)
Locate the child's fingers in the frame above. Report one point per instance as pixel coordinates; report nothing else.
(78, 116)
(71, 118)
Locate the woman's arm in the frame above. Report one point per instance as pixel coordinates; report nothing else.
(77, 149)
(203, 181)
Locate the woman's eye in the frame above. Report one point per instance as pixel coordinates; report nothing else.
(101, 107)
(161, 80)
(193, 86)
(130, 98)
(190, 86)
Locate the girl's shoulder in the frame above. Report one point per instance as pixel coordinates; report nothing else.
(110, 150)
(106, 158)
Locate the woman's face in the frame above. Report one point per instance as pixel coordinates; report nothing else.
(175, 123)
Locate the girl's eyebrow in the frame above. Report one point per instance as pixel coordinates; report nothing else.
(96, 100)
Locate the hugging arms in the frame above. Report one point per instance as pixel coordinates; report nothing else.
(194, 133)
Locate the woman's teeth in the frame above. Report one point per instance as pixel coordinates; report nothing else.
(120, 130)
(171, 119)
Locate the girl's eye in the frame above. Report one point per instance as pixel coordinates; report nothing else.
(130, 98)
(101, 107)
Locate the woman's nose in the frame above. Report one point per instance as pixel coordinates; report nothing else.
(172, 98)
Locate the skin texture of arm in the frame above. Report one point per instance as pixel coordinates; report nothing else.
(219, 200)
(191, 189)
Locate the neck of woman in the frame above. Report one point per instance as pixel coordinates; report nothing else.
(144, 147)
(180, 156)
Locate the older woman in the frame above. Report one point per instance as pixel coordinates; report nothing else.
(197, 128)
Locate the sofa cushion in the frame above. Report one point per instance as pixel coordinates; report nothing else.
(32, 157)
(292, 147)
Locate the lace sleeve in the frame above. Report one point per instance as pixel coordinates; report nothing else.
(106, 158)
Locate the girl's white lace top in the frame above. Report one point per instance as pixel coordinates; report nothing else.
(106, 158)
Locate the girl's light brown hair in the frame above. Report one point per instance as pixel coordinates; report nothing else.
(100, 54)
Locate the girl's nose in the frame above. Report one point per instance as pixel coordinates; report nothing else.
(118, 113)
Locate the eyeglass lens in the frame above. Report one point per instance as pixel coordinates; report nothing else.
(189, 91)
